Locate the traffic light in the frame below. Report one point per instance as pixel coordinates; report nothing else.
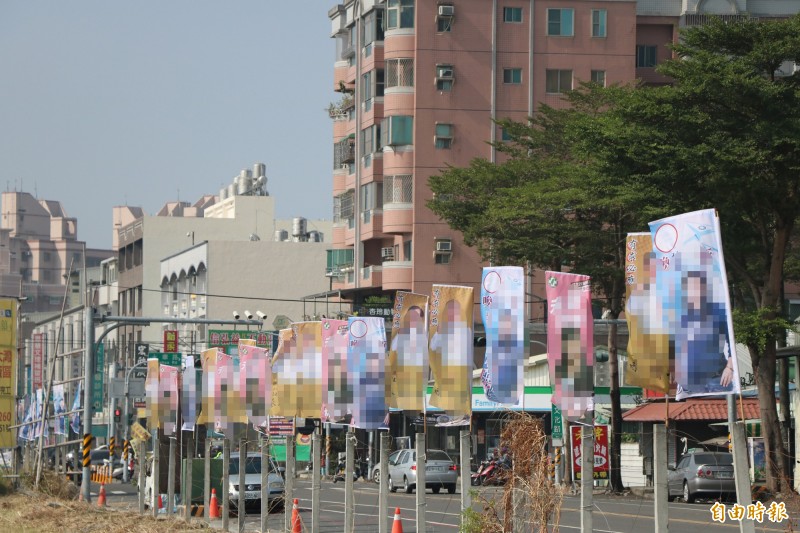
(117, 414)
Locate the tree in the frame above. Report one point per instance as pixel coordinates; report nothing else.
(726, 134)
(556, 202)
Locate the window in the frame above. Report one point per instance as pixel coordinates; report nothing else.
(444, 21)
(559, 22)
(599, 22)
(370, 141)
(558, 81)
(397, 130)
(512, 76)
(645, 56)
(398, 189)
(504, 135)
(442, 258)
(399, 73)
(343, 207)
(444, 77)
(399, 14)
(444, 136)
(407, 250)
(512, 14)
(373, 29)
(379, 82)
(366, 90)
(599, 77)
(371, 196)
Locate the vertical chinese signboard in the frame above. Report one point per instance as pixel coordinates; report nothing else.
(558, 425)
(8, 352)
(171, 341)
(97, 382)
(37, 364)
(600, 451)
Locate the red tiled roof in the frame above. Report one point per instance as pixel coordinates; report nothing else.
(692, 409)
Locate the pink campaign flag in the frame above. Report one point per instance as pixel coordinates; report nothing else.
(255, 382)
(338, 385)
(222, 386)
(168, 398)
(570, 343)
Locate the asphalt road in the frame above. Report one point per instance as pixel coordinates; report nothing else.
(611, 514)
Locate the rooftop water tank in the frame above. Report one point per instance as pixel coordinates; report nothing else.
(299, 229)
(281, 235)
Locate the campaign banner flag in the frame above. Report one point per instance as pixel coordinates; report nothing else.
(280, 389)
(338, 385)
(8, 371)
(407, 370)
(298, 372)
(26, 431)
(503, 315)
(209, 363)
(450, 348)
(366, 359)
(223, 382)
(59, 408)
(37, 414)
(152, 393)
(190, 393)
(168, 398)
(648, 333)
(570, 343)
(693, 290)
(75, 417)
(255, 382)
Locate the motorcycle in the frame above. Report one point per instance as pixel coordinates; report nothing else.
(477, 476)
(341, 471)
(491, 472)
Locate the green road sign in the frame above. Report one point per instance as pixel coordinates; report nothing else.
(97, 382)
(558, 423)
(171, 359)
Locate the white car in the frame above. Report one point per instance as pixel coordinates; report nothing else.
(440, 471)
(252, 480)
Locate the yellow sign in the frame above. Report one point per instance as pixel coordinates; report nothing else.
(8, 371)
(139, 433)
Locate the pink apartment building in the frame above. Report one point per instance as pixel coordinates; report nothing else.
(419, 85)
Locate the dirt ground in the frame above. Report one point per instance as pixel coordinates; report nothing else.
(29, 512)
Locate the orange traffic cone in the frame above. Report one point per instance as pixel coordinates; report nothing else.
(397, 525)
(101, 498)
(160, 502)
(297, 524)
(213, 511)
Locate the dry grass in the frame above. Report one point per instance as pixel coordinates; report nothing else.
(529, 500)
(54, 508)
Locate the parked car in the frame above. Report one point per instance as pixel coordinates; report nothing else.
(440, 471)
(702, 474)
(375, 475)
(252, 479)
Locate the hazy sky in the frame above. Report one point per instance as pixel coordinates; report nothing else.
(141, 103)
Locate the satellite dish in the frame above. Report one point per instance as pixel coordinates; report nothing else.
(254, 237)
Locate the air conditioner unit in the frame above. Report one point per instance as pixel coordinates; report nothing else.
(444, 73)
(444, 246)
(387, 254)
(446, 10)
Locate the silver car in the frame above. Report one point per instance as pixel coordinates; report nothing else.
(440, 471)
(702, 474)
(252, 480)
